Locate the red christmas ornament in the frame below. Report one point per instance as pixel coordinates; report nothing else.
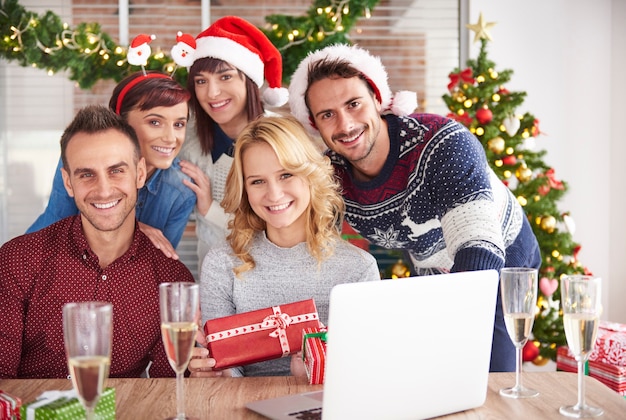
(509, 160)
(484, 115)
(530, 351)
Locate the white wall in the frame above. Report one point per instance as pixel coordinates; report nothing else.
(569, 56)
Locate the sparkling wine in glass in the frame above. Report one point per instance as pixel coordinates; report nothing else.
(518, 287)
(179, 312)
(88, 330)
(582, 306)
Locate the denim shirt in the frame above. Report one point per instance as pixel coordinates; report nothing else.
(164, 203)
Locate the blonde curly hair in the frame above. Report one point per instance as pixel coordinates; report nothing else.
(296, 153)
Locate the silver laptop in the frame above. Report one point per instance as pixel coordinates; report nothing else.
(402, 349)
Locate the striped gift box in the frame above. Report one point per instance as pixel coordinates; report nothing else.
(314, 354)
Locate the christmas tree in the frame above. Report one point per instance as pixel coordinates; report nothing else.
(479, 99)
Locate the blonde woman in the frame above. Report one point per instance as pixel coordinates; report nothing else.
(284, 244)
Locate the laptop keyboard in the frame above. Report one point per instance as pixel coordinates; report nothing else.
(310, 414)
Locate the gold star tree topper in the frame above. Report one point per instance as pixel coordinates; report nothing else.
(481, 27)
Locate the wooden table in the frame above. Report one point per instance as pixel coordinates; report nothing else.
(225, 398)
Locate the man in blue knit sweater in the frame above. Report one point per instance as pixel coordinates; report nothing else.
(416, 182)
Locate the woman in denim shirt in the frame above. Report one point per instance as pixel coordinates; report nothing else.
(156, 106)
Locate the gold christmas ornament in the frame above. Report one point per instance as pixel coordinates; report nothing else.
(400, 270)
(540, 361)
(523, 174)
(496, 145)
(548, 223)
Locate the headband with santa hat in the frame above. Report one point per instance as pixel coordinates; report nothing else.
(372, 69)
(139, 51)
(238, 42)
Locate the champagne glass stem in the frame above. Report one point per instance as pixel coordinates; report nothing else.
(518, 368)
(581, 383)
(90, 414)
(180, 396)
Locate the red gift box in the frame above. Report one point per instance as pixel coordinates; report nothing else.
(9, 406)
(260, 335)
(610, 347)
(314, 354)
(612, 376)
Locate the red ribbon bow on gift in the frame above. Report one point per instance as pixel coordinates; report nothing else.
(464, 76)
(281, 321)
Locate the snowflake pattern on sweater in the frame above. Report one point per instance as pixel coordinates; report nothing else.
(435, 196)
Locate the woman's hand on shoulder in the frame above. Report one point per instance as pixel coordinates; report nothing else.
(159, 240)
(201, 186)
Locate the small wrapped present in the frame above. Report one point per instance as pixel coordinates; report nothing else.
(314, 354)
(260, 335)
(9, 406)
(65, 405)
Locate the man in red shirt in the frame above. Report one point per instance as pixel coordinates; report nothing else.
(98, 255)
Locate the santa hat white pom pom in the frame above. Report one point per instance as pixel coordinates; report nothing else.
(404, 102)
(275, 96)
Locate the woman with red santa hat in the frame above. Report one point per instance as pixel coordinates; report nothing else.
(232, 60)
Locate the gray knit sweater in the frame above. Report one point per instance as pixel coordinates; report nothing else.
(281, 275)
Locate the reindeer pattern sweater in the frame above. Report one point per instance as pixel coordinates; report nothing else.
(437, 198)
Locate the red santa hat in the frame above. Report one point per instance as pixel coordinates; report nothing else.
(402, 103)
(238, 42)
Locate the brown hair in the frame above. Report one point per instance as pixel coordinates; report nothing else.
(148, 93)
(331, 68)
(95, 119)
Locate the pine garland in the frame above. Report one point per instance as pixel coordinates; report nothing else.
(89, 55)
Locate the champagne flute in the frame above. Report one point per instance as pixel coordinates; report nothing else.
(179, 310)
(518, 287)
(581, 303)
(87, 331)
